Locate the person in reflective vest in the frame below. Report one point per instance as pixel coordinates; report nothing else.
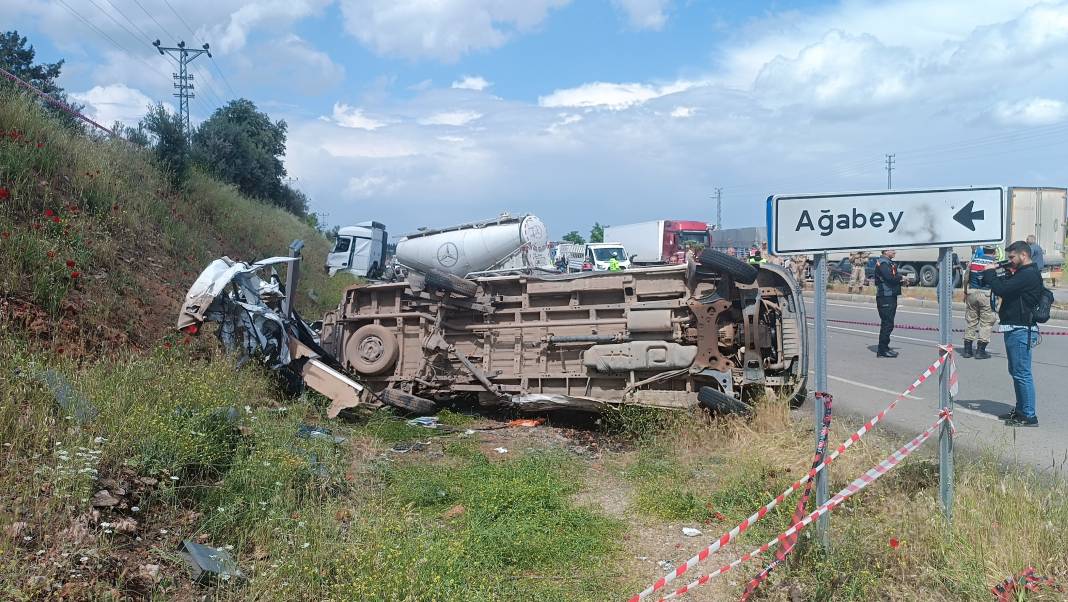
(613, 264)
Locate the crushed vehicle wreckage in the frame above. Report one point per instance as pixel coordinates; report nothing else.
(716, 332)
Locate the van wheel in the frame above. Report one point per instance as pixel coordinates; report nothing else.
(739, 270)
(407, 401)
(371, 350)
(720, 403)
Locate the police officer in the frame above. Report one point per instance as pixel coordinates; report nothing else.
(887, 289)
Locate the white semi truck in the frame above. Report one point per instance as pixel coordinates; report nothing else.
(359, 250)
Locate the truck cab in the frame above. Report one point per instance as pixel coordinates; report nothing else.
(359, 250)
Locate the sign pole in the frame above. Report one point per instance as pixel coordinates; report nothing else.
(945, 438)
(819, 280)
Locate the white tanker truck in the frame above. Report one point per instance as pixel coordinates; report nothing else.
(502, 245)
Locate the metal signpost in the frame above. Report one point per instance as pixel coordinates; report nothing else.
(891, 219)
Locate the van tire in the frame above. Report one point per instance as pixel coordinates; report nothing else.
(720, 403)
(444, 281)
(372, 350)
(407, 401)
(739, 270)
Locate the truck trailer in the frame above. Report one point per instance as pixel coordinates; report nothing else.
(660, 242)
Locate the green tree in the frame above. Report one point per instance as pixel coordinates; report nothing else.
(597, 232)
(241, 145)
(17, 56)
(574, 237)
(167, 136)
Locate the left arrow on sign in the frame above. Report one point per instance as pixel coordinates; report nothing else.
(967, 218)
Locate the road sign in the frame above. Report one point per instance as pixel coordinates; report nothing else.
(888, 219)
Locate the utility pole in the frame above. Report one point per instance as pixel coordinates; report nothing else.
(889, 168)
(719, 209)
(183, 80)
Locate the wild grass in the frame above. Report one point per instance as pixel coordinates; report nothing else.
(94, 223)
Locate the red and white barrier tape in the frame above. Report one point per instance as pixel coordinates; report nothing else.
(729, 536)
(788, 546)
(858, 484)
(924, 328)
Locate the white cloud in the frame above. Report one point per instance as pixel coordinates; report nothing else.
(683, 112)
(353, 117)
(453, 118)
(1030, 112)
(115, 102)
(841, 71)
(231, 33)
(307, 71)
(442, 30)
(611, 95)
(370, 185)
(644, 14)
(471, 82)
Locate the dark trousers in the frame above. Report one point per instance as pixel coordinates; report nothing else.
(887, 312)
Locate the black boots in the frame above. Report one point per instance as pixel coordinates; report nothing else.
(967, 349)
(980, 351)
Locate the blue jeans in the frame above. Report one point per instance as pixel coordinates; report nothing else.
(1018, 344)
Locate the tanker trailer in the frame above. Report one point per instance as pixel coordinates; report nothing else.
(716, 331)
(500, 245)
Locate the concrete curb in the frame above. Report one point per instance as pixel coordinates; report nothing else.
(1054, 314)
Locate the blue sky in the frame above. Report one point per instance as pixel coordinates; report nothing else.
(429, 112)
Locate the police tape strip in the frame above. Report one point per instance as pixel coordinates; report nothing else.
(788, 546)
(858, 484)
(924, 328)
(729, 536)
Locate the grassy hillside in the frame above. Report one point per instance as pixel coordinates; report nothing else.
(97, 250)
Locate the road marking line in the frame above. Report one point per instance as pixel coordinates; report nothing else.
(893, 336)
(957, 408)
(956, 313)
(866, 386)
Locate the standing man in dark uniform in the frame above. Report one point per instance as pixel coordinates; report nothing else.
(887, 290)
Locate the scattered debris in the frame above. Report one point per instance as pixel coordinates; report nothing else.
(307, 431)
(690, 532)
(15, 530)
(453, 512)
(409, 446)
(528, 422)
(104, 499)
(148, 573)
(207, 563)
(72, 402)
(501, 450)
(427, 422)
(124, 525)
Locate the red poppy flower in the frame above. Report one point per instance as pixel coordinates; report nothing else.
(55, 218)
(5, 235)
(894, 543)
(70, 263)
(59, 350)
(75, 275)
(5, 194)
(51, 254)
(40, 145)
(167, 345)
(49, 213)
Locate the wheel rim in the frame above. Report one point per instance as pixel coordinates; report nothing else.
(370, 349)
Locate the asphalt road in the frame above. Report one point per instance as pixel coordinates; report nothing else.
(863, 384)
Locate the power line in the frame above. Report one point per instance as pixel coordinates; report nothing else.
(218, 98)
(106, 36)
(151, 16)
(145, 36)
(191, 32)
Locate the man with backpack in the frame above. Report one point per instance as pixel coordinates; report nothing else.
(1022, 303)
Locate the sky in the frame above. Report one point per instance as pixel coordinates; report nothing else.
(434, 112)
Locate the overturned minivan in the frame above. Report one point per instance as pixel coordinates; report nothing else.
(715, 331)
